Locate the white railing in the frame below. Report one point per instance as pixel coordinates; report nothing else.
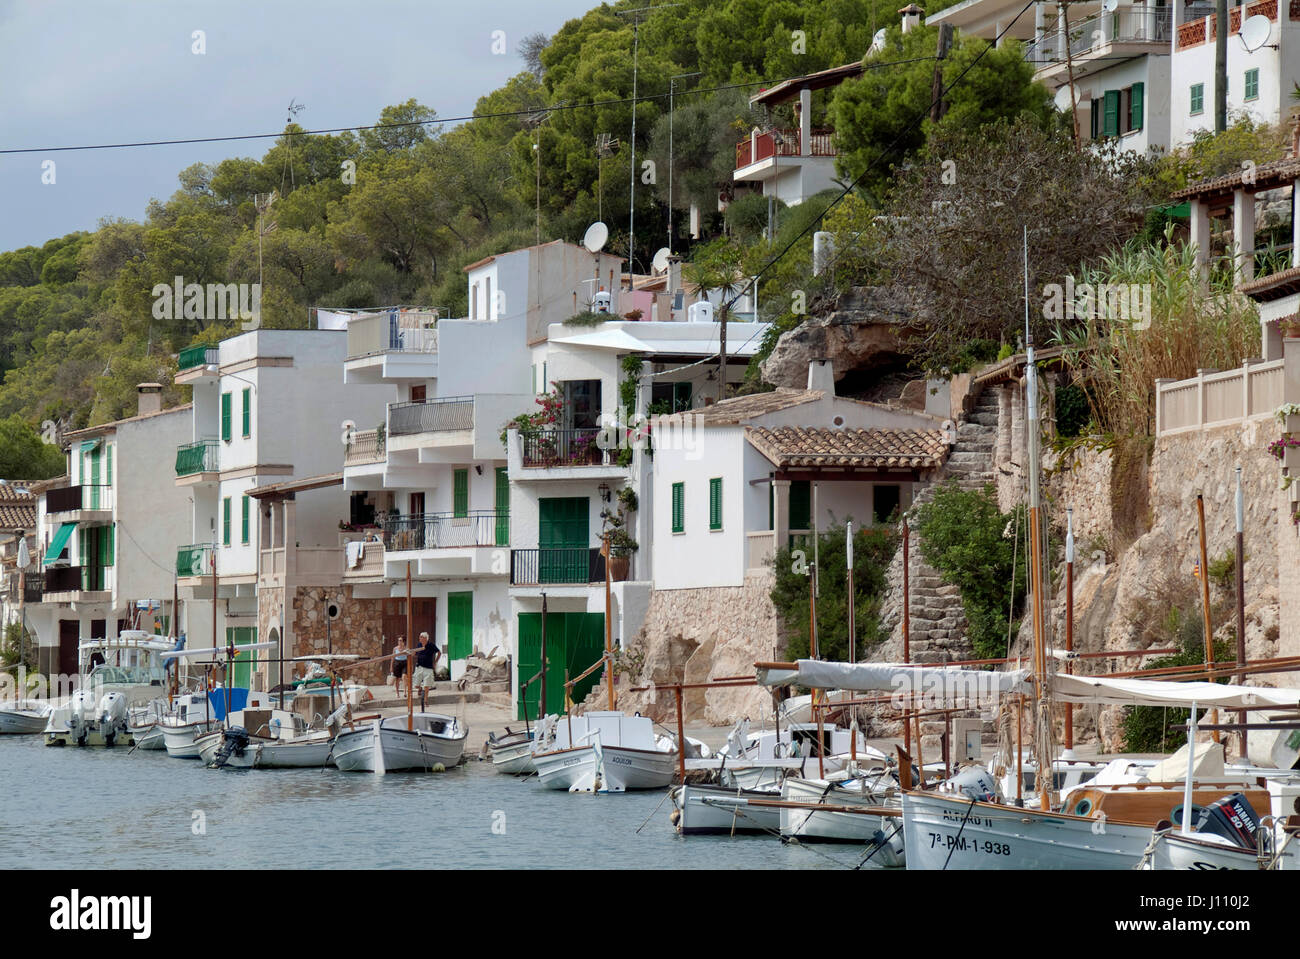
(1214, 398)
(760, 548)
(1126, 25)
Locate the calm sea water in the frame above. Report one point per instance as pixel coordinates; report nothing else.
(102, 809)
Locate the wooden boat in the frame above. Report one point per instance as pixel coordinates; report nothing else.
(819, 810)
(23, 717)
(267, 738)
(512, 754)
(388, 746)
(705, 809)
(603, 751)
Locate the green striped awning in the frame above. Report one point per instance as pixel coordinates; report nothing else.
(59, 542)
(88, 445)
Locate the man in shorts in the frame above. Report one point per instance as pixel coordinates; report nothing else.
(426, 662)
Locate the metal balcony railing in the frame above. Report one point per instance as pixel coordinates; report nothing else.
(427, 416)
(408, 332)
(556, 565)
(1127, 25)
(200, 457)
(73, 579)
(70, 498)
(197, 356)
(195, 560)
(557, 448)
(784, 143)
(485, 527)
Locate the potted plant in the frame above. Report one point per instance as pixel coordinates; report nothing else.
(621, 543)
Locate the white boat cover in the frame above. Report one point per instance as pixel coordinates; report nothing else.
(891, 677)
(1154, 692)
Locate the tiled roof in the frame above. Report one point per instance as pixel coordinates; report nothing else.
(109, 427)
(17, 507)
(795, 446)
(1273, 286)
(1265, 176)
(738, 409)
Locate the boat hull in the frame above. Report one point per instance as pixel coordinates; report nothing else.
(626, 768)
(807, 823)
(948, 832)
(269, 754)
(1172, 850)
(148, 737)
(515, 759)
(705, 810)
(354, 750)
(181, 742)
(89, 734)
(567, 769)
(22, 722)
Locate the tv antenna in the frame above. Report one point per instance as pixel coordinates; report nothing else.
(292, 110)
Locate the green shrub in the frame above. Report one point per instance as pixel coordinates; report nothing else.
(1148, 729)
(1072, 410)
(873, 548)
(961, 535)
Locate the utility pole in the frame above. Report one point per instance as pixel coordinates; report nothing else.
(1221, 66)
(936, 86)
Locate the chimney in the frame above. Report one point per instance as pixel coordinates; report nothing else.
(821, 376)
(911, 17)
(150, 398)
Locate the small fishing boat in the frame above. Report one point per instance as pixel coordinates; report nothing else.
(709, 809)
(433, 741)
(862, 810)
(279, 740)
(604, 751)
(23, 717)
(512, 753)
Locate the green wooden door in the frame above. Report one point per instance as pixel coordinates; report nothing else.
(244, 662)
(93, 502)
(460, 625)
(563, 537)
(503, 507)
(574, 641)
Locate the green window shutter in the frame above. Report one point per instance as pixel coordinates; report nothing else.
(1094, 115)
(1111, 116)
(681, 397)
(1135, 107)
(800, 505)
(1252, 84)
(81, 548)
(460, 493)
(243, 529)
(108, 464)
(225, 417)
(225, 521)
(679, 507)
(715, 503)
(502, 507)
(460, 625)
(248, 412)
(106, 546)
(1197, 98)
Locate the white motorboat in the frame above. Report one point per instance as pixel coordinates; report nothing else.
(512, 754)
(603, 752)
(760, 760)
(388, 745)
(24, 717)
(305, 749)
(1230, 835)
(89, 720)
(705, 809)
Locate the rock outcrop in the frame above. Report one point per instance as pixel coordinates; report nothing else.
(860, 330)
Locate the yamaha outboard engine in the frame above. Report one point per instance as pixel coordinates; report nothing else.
(233, 743)
(1233, 818)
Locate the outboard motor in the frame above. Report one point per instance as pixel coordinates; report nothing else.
(112, 716)
(1233, 818)
(233, 743)
(974, 783)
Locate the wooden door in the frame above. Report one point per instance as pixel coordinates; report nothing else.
(69, 637)
(460, 625)
(563, 538)
(418, 393)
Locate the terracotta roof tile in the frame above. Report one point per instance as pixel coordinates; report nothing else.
(795, 446)
(1265, 176)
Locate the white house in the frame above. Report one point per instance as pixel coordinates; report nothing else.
(266, 409)
(736, 481)
(108, 532)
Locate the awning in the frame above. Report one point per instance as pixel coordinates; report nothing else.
(1154, 692)
(59, 542)
(88, 445)
(948, 682)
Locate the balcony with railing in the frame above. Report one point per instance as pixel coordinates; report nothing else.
(547, 566)
(80, 500)
(1127, 25)
(195, 459)
(196, 356)
(447, 530)
(365, 447)
(410, 331)
(1200, 25)
(441, 415)
(72, 583)
(26, 587)
(783, 143)
(195, 559)
(551, 449)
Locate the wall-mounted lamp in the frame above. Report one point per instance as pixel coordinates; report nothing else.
(604, 491)
(478, 468)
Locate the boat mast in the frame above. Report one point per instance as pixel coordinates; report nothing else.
(1205, 602)
(1069, 618)
(1042, 746)
(1241, 603)
(410, 709)
(541, 702)
(609, 644)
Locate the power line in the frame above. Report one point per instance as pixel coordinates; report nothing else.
(592, 104)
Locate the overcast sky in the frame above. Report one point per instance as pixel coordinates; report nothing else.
(78, 72)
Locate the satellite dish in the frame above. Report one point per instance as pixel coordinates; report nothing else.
(595, 237)
(878, 41)
(1254, 32)
(1110, 6)
(660, 263)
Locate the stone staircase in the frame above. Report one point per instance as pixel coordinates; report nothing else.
(970, 461)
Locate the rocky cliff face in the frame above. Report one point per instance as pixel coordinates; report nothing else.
(860, 331)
